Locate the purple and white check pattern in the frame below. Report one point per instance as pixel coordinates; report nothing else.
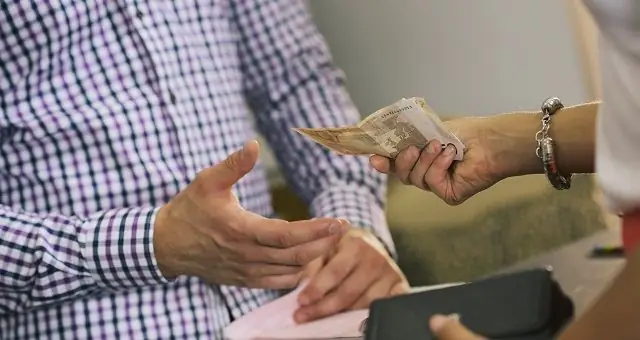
(108, 109)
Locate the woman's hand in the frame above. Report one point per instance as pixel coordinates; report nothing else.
(434, 169)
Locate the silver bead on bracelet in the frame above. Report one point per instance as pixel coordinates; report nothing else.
(545, 150)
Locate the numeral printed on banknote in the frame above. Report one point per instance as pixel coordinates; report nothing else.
(388, 131)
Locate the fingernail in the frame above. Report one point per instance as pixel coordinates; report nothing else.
(303, 300)
(413, 152)
(300, 317)
(377, 161)
(450, 150)
(303, 281)
(243, 152)
(334, 227)
(438, 321)
(434, 147)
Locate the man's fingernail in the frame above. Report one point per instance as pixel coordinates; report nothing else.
(242, 153)
(334, 227)
(337, 226)
(450, 150)
(300, 317)
(303, 281)
(303, 299)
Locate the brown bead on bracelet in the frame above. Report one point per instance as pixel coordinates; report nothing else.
(545, 150)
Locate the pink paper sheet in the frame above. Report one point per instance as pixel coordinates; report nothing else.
(275, 321)
(343, 325)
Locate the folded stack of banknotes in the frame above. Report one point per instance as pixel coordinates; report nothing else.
(388, 131)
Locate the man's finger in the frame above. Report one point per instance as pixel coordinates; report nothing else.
(329, 277)
(313, 268)
(234, 167)
(380, 163)
(254, 270)
(400, 288)
(283, 234)
(380, 288)
(405, 162)
(427, 156)
(449, 328)
(275, 281)
(345, 295)
(299, 255)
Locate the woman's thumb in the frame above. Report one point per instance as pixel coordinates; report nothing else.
(449, 328)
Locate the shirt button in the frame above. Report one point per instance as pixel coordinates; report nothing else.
(139, 14)
(172, 97)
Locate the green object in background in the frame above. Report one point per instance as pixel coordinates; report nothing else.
(514, 230)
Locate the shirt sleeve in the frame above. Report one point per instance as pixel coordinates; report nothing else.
(290, 81)
(47, 259)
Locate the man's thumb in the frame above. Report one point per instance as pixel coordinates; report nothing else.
(234, 167)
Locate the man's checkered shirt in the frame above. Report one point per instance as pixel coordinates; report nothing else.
(110, 108)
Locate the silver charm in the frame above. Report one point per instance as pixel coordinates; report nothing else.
(551, 105)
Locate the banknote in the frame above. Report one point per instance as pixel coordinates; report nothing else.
(388, 131)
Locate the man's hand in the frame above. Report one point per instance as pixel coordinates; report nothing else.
(351, 277)
(203, 231)
(434, 169)
(449, 328)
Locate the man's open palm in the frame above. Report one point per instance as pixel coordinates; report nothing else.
(204, 232)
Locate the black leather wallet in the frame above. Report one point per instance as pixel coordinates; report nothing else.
(526, 305)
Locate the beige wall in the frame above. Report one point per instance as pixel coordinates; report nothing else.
(464, 56)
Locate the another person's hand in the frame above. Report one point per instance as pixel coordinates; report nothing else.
(449, 328)
(356, 273)
(203, 231)
(434, 169)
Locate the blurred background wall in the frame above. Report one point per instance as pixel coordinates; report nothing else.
(463, 56)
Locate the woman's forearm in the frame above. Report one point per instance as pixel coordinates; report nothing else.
(572, 129)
